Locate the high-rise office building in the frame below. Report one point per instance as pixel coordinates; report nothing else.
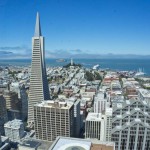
(108, 124)
(0, 140)
(23, 96)
(77, 117)
(52, 119)
(100, 103)
(3, 114)
(94, 126)
(12, 104)
(12, 101)
(39, 89)
(131, 125)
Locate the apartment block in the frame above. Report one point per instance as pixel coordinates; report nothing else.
(52, 119)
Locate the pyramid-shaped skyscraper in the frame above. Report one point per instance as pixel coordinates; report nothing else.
(39, 90)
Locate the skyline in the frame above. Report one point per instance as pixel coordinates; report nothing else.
(76, 27)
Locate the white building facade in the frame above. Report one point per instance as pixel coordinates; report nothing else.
(131, 125)
(100, 103)
(108, 124)
(39, 90)
(14, 130)
(144, 95)
(94, 126)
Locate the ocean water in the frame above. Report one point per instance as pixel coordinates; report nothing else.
(114, 64)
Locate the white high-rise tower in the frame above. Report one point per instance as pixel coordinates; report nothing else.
(39, 90)
(71, 61)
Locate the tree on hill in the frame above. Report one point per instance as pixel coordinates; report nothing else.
(97, 76)
(68, 65)
(89, 76)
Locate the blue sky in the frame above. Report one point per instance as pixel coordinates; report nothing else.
(76, 26)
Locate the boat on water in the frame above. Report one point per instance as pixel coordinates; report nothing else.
(96, 66)
(139, 73)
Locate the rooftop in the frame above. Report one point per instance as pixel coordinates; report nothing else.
(55, 104)
(67, 143)
(94, 117)
(145, 93)
(31, 144)
(15, 124)
(109, 111)
(63, 143)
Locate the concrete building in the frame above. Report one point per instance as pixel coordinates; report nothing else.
(131, 92)
(13, 105)
(11, 99)
(115, 86)
(34, 144)
(3, 114)
(0, 140)
(29, 145)
(14, 130)
(131, 125)
(14, 87)
(23, 96)
(144, 95)
(52, 119)
(66, 143)
(100, 101)
(95, 126)
(39, 90)
(5, 143)
(77, 117)
(108, 124)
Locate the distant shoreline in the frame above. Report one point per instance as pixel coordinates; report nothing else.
(114, 64)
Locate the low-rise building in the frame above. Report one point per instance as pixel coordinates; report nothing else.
(29, 145)
(5, 143)
(66, 143)
(144, 95)
(14, 130)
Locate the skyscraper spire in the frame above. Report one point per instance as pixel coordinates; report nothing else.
(37, 26)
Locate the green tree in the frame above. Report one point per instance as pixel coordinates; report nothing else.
(89, 76)
(97, 76)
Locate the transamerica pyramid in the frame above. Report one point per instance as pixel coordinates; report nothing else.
(39, 89)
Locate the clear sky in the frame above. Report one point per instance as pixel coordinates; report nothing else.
(77, 26)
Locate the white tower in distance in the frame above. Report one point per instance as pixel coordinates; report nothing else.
(39, 90)
(71, 61)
